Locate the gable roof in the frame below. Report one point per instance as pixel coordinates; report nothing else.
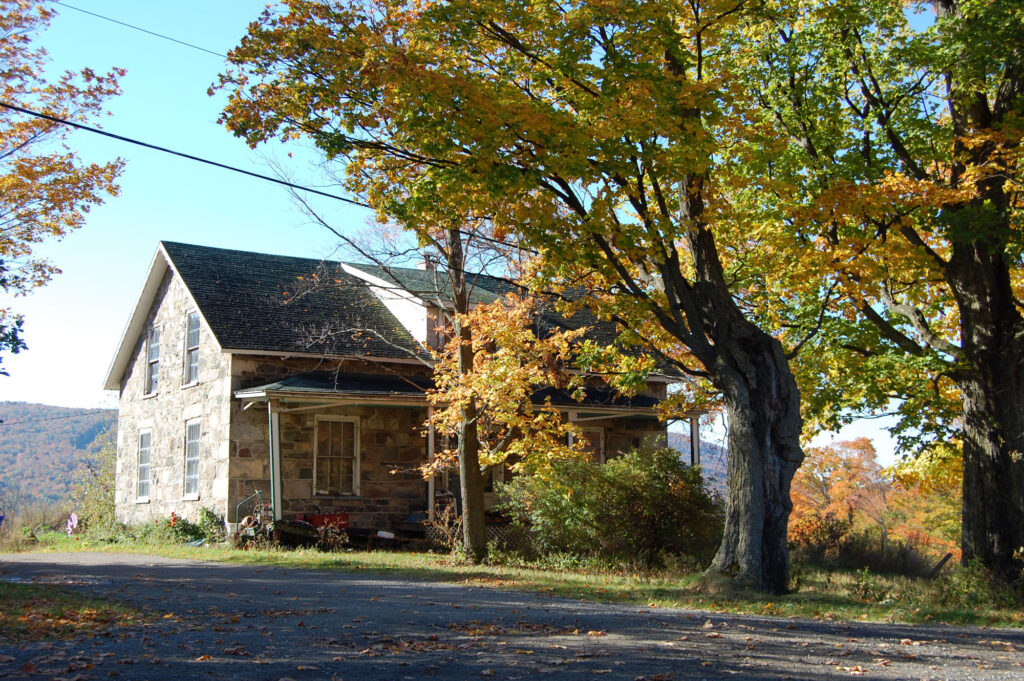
(255, 302)
(273, 304)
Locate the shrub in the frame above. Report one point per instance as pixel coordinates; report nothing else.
(816, 538)
(974, 586)
(636, 509)
(92, 493)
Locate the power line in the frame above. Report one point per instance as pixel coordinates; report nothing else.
(142, 30)
(122, 138)
(214, 163)
(57, 418)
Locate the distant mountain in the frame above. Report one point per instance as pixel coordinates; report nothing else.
(42, 446)
(714, 459)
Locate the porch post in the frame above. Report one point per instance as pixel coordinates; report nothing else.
(694, 439)
(275, 457)
(432, 480)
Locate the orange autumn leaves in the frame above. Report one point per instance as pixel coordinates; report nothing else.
(841, 489)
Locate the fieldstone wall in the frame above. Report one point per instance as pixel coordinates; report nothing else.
(390, 439)
(165, 413)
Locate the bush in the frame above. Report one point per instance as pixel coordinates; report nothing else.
(974, 586)
(636, 509)
(818, 538)
(830, 543)
(92, 494)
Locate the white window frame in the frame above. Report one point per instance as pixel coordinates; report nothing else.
(356, 451)
(151, 376)
(190, 356)
(146, 467)
(192, 447)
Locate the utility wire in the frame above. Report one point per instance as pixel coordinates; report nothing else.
(268, 178)
(57, 418)
(214, 163)
(142, 30)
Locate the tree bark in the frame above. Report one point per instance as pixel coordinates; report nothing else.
(471, 485)
(763, 408)
(992, 385)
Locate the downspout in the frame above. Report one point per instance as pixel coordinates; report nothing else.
(274, 425)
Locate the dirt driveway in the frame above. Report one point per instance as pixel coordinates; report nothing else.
(254, 623)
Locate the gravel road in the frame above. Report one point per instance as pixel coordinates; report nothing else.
(248, 622)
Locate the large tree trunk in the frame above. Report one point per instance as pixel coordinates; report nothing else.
(763, 408)
(992, 384)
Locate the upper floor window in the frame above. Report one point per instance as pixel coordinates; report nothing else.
(152, 360)
(145, 442)
(191, 348)
(193, 430)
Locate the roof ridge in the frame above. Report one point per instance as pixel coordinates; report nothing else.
(238, 251)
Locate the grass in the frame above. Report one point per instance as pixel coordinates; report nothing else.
(819, 594)
(34, 612)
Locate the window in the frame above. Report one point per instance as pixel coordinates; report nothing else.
(593, 444)
(145, 440)
(152, 360)
(192, 432)
(191, 348)
(336, 457)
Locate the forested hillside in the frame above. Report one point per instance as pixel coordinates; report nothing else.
(714, 459)
(41, 446)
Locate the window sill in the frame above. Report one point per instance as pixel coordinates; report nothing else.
(349, 496)
(190, 497)
(148, 396)
(189, 385)
(142, 500)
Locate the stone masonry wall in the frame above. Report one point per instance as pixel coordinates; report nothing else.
(390, 439)
(165, 413)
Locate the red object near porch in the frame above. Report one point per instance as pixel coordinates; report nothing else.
(339, 520)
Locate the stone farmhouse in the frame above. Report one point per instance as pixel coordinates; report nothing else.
(305, 380)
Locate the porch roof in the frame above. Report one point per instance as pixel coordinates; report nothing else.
(330, 387)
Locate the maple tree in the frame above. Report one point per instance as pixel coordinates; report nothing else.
(842, 489)
(604, 135)
(902, 154)
(45, 191)
(511, 362)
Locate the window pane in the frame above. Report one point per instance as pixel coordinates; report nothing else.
(335, 457)
(192, 433)
(154, 345)
(152, 360)
(192, 339)
(144, 446)
(192, 348)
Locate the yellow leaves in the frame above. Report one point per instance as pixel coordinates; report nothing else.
(510, 363)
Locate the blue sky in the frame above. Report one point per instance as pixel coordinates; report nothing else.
(74, 324)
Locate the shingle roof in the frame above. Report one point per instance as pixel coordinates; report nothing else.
(327, 384)
(273, 303)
